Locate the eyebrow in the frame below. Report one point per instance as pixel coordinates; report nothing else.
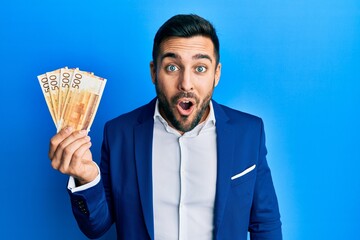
(175, 56)
(202, 56)
(168, 55)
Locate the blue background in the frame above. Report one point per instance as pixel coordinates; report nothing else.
(294, 63)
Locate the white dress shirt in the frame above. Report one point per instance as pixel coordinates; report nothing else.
(184, 180)
(184, 171)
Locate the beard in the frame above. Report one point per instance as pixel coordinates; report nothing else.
(168, 108)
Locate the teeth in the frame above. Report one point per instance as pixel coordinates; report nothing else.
(185, 101)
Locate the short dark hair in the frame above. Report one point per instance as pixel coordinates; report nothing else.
(185, 25)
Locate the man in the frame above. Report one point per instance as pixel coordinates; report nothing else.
(181, 166)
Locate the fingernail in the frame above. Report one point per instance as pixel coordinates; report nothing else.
(87, 138)
(68, 129)
(82, 132)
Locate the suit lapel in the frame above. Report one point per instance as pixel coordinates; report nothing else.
(225, 150)
(143, 157)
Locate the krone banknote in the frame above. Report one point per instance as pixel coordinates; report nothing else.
(65, 81)
(45, 87)
(82, 101)
(54, 84)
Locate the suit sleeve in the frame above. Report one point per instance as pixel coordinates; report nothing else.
(265, 217)
(91, 206)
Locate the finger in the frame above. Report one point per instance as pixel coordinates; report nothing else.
(66, 149)
(65, 142)
(58, 138)
(71, 138)
(77, 164)
(79, 153)
(57, 155)
(71, 153)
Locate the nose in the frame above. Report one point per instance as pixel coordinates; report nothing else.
(185, 81)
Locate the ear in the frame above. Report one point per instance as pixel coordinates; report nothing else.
(217, 74)
(153, 71)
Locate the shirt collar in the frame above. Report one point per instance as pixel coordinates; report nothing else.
(209, 122)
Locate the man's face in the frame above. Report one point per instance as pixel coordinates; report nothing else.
(184, 78)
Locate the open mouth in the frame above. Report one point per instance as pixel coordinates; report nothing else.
(185, 107)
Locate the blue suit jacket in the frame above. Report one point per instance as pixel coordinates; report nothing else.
(124, 194)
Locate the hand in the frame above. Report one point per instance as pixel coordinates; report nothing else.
(70, 154)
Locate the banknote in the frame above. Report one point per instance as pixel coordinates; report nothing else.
(65, 81)
(54, 86)
(72, 96)
(45, 87)
(82, 100)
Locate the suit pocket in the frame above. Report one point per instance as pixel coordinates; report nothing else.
(247, 177)
(241, 192)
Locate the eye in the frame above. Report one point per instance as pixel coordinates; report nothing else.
(201, 69)
(171, 68)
